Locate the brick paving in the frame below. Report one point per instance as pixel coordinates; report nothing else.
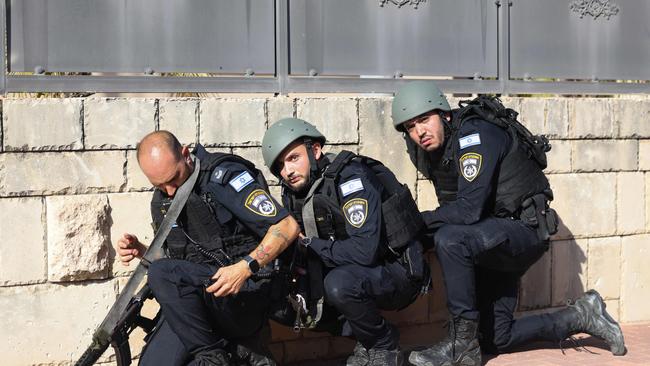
(593, 352)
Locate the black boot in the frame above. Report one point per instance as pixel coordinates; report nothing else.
(459, 348)
(592, 318)
(385, 357)
(253, 350)
(585, 315)
(359, 356)
(213, 357)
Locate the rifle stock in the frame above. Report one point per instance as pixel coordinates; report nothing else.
(120, 321)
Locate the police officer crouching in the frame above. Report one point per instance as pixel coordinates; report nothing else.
(338, 203)
(213, 291)
(493, 223)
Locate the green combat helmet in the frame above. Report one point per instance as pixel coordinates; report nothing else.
(415, 99)
(282, 133)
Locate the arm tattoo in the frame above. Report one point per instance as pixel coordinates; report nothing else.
(261, 252)
(279, 234)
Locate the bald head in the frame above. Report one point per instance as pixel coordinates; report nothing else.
(157, 142)
(164, 161)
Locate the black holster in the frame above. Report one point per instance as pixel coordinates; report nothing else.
(417, 268)
(536, 213)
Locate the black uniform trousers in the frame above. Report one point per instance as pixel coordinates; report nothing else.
(194, 320)
(360, 292)
(482, 264)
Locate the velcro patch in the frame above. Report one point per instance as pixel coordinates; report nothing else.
(470, 140)
(470, 165)
(241, 181)
(261, 203)
(351, 186)
(218, 174)
(356, 211)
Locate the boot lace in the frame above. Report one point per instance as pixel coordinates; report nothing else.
(575, 345)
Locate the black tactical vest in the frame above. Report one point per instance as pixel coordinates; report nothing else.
(205, 231)
(401, 218)
(329, 217)
(330, 221)
(519, 177)
(444, 177)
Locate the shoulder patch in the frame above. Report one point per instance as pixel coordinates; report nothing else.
(351, 186)
(356, 211)
(470, 140)
(261, 203)
(218, 174)
(241, 181)
(470, 165)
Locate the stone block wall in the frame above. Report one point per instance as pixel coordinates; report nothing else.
(70, 186)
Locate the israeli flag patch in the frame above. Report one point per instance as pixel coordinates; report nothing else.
(351, 186)
(471, 140)
(241, 181)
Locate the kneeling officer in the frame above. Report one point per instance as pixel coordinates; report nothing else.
(229, 230)
(338, 203)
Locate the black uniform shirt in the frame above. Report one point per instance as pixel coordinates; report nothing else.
(360, 202)
(478, 150)
(235, 188)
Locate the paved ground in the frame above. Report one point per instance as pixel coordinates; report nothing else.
(592, 352)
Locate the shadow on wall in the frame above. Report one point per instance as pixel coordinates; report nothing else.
(558, 277)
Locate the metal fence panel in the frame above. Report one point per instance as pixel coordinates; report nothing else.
(580, 39)
(216, 36)
(361, 37)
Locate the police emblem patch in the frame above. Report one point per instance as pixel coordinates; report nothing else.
(470, 165)
(356, 211)
(261, 203)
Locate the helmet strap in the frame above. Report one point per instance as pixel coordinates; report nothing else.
(448, 131)
(313, 165)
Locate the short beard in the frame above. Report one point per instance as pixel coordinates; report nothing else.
(303, 187)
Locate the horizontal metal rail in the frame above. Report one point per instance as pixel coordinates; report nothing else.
(284, 83)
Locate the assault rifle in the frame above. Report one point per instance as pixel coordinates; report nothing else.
(119, 337)
(124, 315)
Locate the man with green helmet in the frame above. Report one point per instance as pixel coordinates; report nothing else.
(338, 204)
(493, 223)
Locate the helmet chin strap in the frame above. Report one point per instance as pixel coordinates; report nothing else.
(313, 165)
(448, 129)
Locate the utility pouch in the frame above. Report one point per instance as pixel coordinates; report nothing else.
(536, 213)
(401, 218)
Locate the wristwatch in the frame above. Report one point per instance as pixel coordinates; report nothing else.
(253, 264)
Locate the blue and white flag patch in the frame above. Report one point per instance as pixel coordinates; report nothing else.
(470, 140)
(351, 186)
(241, 181)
